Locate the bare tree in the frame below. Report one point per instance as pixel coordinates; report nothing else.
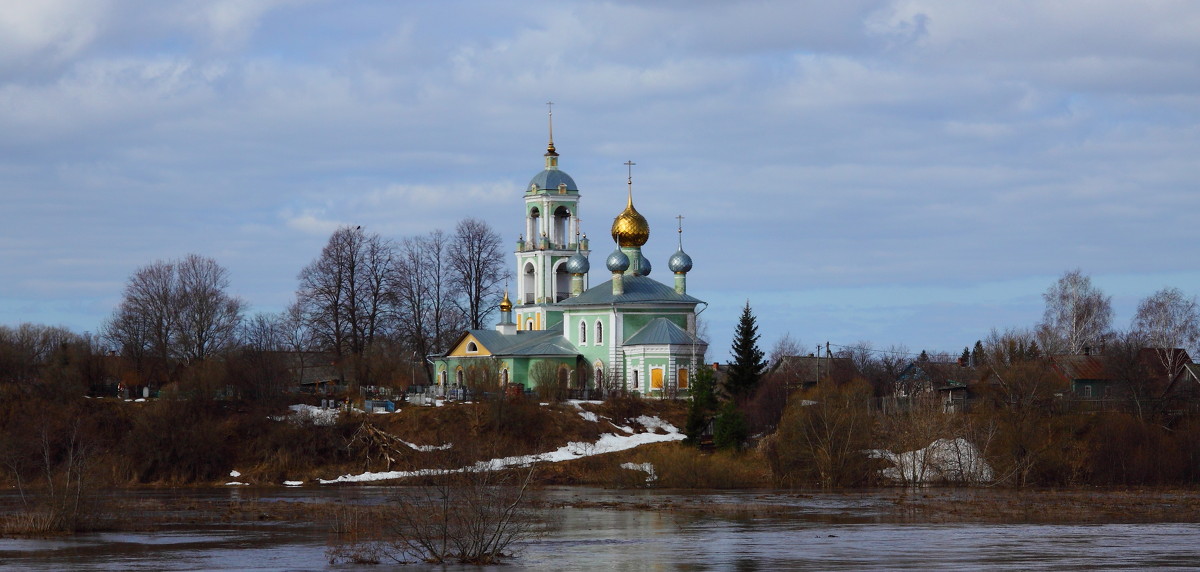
(346, 295)
(784, 347)
(208, 316)
(1168, 320)
(176, 310)
(476, 269)
(427, 315)
(1077, 314)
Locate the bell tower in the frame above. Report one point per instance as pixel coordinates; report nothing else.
(551, 236)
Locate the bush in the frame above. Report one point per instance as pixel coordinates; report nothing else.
(469, 517)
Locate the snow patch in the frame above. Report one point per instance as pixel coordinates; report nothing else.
(426, 448)
(318, 415)
(292, 483)
(944, 460)
(589, 416)
(647, 468)
(608, 443)
(235, 474)
(236, 484)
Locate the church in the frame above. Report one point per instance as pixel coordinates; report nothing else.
(630, 333)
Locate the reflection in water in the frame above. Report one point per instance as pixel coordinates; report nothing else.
(824, 532)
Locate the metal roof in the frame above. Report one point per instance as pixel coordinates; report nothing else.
(638, 290)
(662, 331)
(549, 180)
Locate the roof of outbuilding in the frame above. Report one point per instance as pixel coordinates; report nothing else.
(638, 290)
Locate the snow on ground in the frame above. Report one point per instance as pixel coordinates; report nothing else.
(292, 483)
(426, 448)
(589, 416)
(318, 415)
(953, 460)
(608, 443)
(647, 468)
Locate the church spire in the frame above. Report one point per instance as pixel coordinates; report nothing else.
(551, 154)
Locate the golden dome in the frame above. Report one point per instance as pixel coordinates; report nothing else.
(506, 304)
(630, 227)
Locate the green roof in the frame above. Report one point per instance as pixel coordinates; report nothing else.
(525, 343)
(638, 290)
(662, 331)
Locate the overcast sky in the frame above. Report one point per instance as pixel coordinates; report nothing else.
(908, 172)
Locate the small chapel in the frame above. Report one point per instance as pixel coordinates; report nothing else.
(631, 333)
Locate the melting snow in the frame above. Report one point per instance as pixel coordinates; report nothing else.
(318, 415)
(608, 443)
(588, 416)
(953, 460)
(647, 468)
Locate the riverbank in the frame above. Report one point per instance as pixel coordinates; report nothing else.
(158, 510)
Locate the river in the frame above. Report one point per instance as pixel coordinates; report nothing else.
(819, 531)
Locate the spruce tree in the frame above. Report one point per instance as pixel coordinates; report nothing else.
(977, 355)
(703, 406)
(748, 363)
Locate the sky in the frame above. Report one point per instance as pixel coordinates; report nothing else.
(909, 173)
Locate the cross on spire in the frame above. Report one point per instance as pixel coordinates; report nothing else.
(629, 165)
(679, 229)
(550, 120)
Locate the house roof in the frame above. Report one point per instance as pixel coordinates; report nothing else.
(1080, 367)
(662, 331)
(806, 368)
(637, 290)
(941, 375)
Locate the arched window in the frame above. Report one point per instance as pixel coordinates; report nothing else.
(504, 376)
(635, 379)
(472, 348)
(458, 377)
(529, 324)
(562, 283)
(599, 332)
(528, 283)
(582, 332)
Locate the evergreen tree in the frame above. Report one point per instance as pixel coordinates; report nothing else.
(965, 358)
(703, 405)
(977, 355)
(1033, 352)
(730, 429)
(924, 357)
(748, 363)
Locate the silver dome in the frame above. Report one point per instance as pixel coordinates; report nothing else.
(617, 261)
(680, 262)
(643, 266)
(578, 264)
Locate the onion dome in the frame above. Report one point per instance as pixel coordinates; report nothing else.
(643, 266)
(680, 262)
(617, 261)
(578, 264)
(506, 304)
(630, 227)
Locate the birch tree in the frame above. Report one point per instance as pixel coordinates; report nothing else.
(1167, 320)
(1077, 314)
